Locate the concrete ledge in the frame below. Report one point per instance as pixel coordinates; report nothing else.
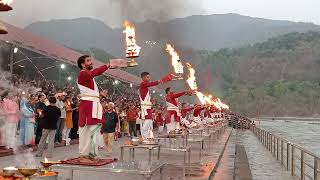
(241, 165)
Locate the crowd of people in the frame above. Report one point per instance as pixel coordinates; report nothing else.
(42, 112)
(24, 112)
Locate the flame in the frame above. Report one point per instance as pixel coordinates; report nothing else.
(175, 59)
(208, 99)
(6, 2)
(133, 50)
(201, 97)
(193, 84)
(204, 99)
(191, 78)
(222, 105)
(219, 104)
(46, 160)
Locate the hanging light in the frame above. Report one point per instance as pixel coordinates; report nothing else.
(4, 5)
(3, 29)
(69, 78)
(116, 82)
(131, 85)
(15, 50)
(62, 66)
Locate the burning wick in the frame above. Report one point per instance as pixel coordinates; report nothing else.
(46, 160)
(175, 61)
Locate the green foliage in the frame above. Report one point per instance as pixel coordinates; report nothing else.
(276, 77)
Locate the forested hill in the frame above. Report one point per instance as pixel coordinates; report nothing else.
(278, 77)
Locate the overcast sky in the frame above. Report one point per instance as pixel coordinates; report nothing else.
(28, 11)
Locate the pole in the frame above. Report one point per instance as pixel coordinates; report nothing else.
(11, 59)
(59, 77)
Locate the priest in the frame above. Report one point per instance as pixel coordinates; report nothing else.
(184, 113)
(173, 115)
(146, 104)
(90, 109)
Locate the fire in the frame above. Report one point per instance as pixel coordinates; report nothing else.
(46, 160)
(201, 97)
(219, 104)
(191, 78)
(222, 105)
(204, 99)
(193, 84)
(175, 59)
(208, 99)
(132, 50)
(6, 2)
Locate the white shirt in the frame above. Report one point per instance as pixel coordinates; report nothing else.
(60, 105)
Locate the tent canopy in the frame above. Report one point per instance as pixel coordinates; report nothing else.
(45, 47)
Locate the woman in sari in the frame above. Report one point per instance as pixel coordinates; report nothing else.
(27, 122)
(11, 108)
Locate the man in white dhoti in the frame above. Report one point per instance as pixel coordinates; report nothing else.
(146, 104)
(90, 109)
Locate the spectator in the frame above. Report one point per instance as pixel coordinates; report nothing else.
(27, 121)
(109, 127)
(68, 120)
(11, 108)
(40, 107)
(132, 116)
(51, 116)
(75, 119)
(61, 121)
(138, 123)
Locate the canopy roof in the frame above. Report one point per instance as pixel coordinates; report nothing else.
(45, 47)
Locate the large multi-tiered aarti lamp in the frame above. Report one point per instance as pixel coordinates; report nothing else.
(175, 61)
(5, 5)
(132, 49)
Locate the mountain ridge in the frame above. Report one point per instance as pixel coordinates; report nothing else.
(210, 32)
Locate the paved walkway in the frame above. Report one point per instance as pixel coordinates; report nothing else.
(262, 164)
(226, 167)
(200, 170)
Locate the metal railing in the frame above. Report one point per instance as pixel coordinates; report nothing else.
(302, 163)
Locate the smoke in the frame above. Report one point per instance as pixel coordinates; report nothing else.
(8, 131)
(26, 159)
(112, 12)
(164, 10)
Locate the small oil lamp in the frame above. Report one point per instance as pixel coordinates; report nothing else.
(27, 172)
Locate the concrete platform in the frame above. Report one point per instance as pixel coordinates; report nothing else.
(200, 168)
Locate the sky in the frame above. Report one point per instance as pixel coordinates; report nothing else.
(113, 12)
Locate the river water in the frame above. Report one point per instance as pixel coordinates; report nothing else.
(303, 133)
